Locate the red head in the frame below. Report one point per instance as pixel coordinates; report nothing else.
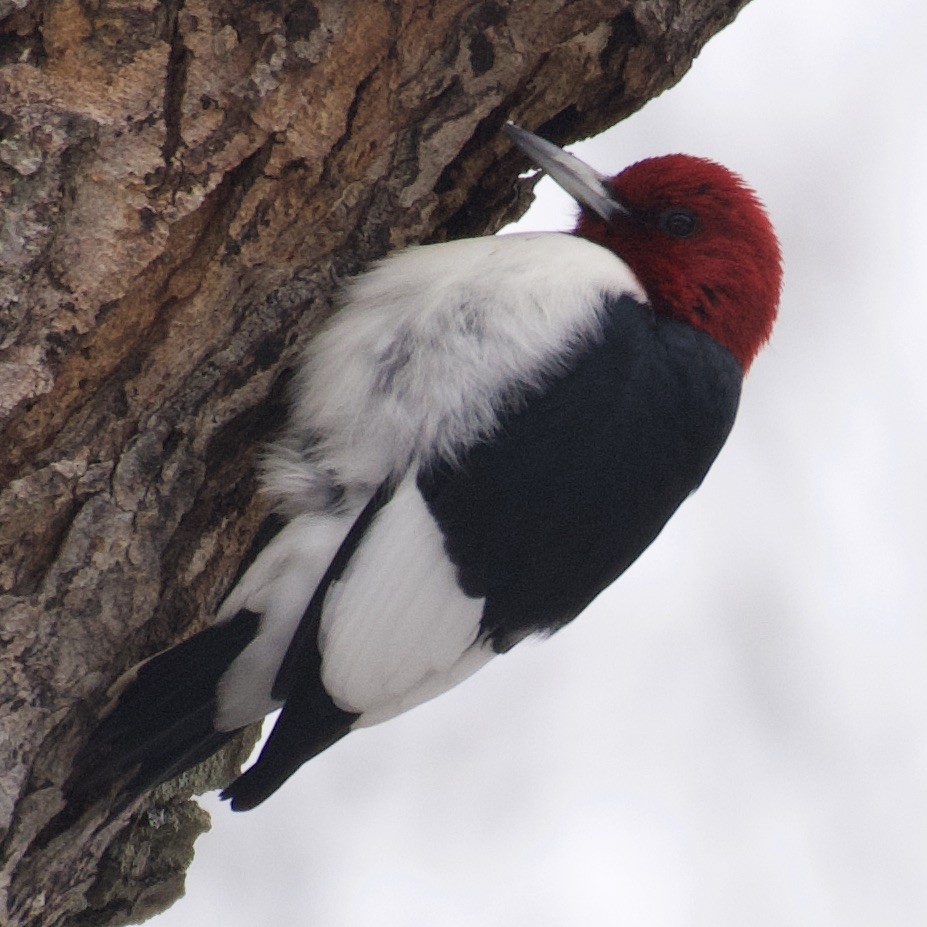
(694, 234)
(700, 242)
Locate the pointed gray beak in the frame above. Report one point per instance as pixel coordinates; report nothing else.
(585, 185)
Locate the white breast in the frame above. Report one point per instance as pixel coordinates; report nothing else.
(427, 348)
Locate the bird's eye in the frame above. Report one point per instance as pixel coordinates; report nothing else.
(680, 223)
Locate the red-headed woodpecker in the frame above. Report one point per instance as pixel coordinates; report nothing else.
(482, 439)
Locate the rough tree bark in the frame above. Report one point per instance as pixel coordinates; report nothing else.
(183, 183)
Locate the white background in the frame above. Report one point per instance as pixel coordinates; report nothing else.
(736, 733)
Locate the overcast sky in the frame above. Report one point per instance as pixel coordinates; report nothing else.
(736, 732)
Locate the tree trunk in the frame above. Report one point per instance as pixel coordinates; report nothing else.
(183, 184)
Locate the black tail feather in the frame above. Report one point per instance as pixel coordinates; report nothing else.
(162, 722)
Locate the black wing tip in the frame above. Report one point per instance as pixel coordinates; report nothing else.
(289, 746)
(257, 784)
(239, 796)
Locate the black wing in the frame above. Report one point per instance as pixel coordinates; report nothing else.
(309, 721)
(582, 477)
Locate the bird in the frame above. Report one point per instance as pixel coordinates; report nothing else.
(486, 434)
